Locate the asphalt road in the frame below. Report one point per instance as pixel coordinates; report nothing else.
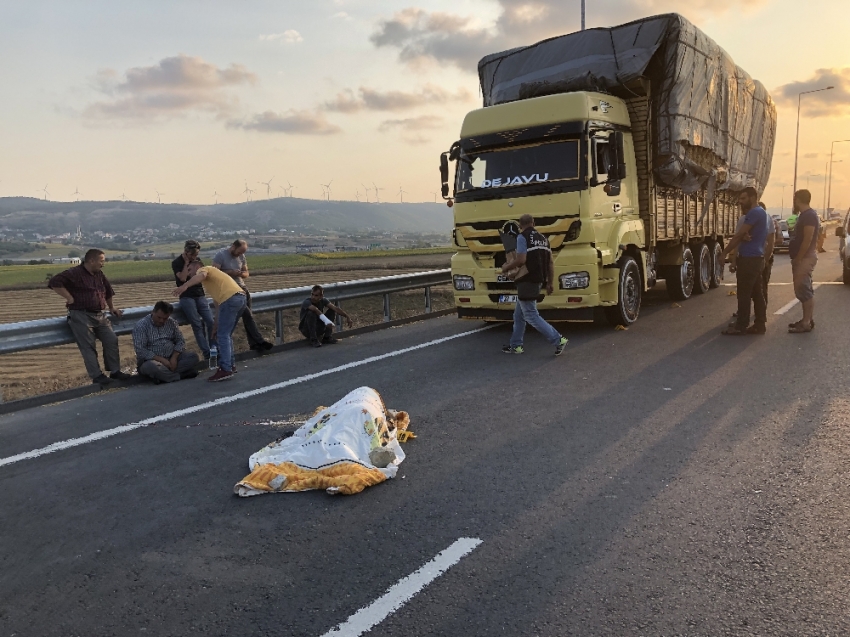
(664, 480)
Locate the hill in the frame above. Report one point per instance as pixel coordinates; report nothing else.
(56, 217)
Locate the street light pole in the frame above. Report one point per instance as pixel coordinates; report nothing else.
(582, 14)
(831, 149)
(797, 144)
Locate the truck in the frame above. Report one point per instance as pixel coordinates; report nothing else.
(628, 145)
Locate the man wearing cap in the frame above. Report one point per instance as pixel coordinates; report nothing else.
(193, 302)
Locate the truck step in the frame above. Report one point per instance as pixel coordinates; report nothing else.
(607, 280)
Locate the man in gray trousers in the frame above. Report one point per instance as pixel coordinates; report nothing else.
(160, 349)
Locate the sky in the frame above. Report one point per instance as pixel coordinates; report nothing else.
(192, 98)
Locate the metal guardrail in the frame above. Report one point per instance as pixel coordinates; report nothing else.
(27, 335)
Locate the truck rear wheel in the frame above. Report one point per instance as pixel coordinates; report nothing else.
(702, 280)
(629, 292)
(716, 264)
(680, 278)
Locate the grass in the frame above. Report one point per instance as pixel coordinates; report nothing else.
(118, 271)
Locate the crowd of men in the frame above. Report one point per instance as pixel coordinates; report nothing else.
(160, 348)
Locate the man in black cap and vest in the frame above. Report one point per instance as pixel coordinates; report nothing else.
(533, 252)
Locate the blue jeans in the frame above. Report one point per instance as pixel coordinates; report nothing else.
(228, 315)
(526, 312)
(197, 311)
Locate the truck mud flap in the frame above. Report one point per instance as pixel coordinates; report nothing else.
(577, 314)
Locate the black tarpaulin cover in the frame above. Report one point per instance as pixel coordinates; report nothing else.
(713, 125)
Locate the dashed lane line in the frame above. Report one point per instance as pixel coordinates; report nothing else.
(401, 592)
(790, 304)
(100, 435)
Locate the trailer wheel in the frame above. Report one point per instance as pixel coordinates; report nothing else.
(716, 264)
(702, 280)
(629, 291)
(680, 278)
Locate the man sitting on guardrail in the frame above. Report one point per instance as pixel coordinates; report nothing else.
(160, 349)
(87, 294)
(318, 316)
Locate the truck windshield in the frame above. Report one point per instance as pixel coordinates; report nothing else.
(552, 163)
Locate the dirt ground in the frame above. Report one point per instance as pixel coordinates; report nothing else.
(55, 368)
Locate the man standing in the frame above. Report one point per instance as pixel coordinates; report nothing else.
(87, 294)
(232, 261)
(229, 301)
(804, 258)
(750, 240)
(193, 302)
(533, 252)
(317, 317)
(160, 348)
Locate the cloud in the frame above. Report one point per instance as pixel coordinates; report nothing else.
(367, 99)
(423, 122)
(832, 103)
(173, 87)
(291, 122)
(811, 155)
(290, 36)
(421, 35)
(342, 15)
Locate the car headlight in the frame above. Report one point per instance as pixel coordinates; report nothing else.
(463, 282)
(574, 280)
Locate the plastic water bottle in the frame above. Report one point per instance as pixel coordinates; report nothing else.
(213, 357)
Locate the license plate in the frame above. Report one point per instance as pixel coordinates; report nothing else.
(502, 278)
(507, 298)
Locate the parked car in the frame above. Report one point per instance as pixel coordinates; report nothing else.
(786, 237)
(841, 232)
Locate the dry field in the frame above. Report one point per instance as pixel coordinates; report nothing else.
(51, 369)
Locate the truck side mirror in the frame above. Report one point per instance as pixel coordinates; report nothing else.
(444, 175)
(840, 232)
(617, 145)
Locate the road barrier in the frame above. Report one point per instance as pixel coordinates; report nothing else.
(27, 335)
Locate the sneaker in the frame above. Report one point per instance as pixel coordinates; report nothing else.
(266, 346)
(190, 374)
(119, 375)
(220, 374)
(757, 329)
(103, 379)
(559, 348)
(508, 349)
(329, 340)
(315, 344)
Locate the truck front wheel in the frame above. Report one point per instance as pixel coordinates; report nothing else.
(680, 278)
(630, 289)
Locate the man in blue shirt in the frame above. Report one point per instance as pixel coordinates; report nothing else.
(750, 241)
(804, 258)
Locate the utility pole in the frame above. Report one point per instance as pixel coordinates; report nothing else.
(582, 15)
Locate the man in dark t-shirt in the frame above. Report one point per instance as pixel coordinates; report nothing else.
(193, 302)
(317, 318)
(804, 258)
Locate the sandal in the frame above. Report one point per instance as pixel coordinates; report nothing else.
(756, 329)
(800, 329)
(733, 331)
(800, 323)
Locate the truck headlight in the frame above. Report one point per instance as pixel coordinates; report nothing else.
(574, 280)
(463, 282)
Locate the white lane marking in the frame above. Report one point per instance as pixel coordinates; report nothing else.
(100, 435)
(733, 285)
(401, 592)
(788, 306)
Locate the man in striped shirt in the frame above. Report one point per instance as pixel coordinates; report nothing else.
(160, 349)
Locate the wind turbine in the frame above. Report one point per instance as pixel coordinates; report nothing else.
(291, 188)
(268, 185)
(247, 192)
(44, 190)
(76, 192)
(215, 194)
(366, 191)
(357, 195)
(377, 198)
(158, 195)
(123, 196)
(435, 196)
(402, 193)
(327, 188)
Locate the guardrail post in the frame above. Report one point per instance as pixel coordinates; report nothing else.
(338, 319)
(427, 299)
(278, 327)
(386, 308)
